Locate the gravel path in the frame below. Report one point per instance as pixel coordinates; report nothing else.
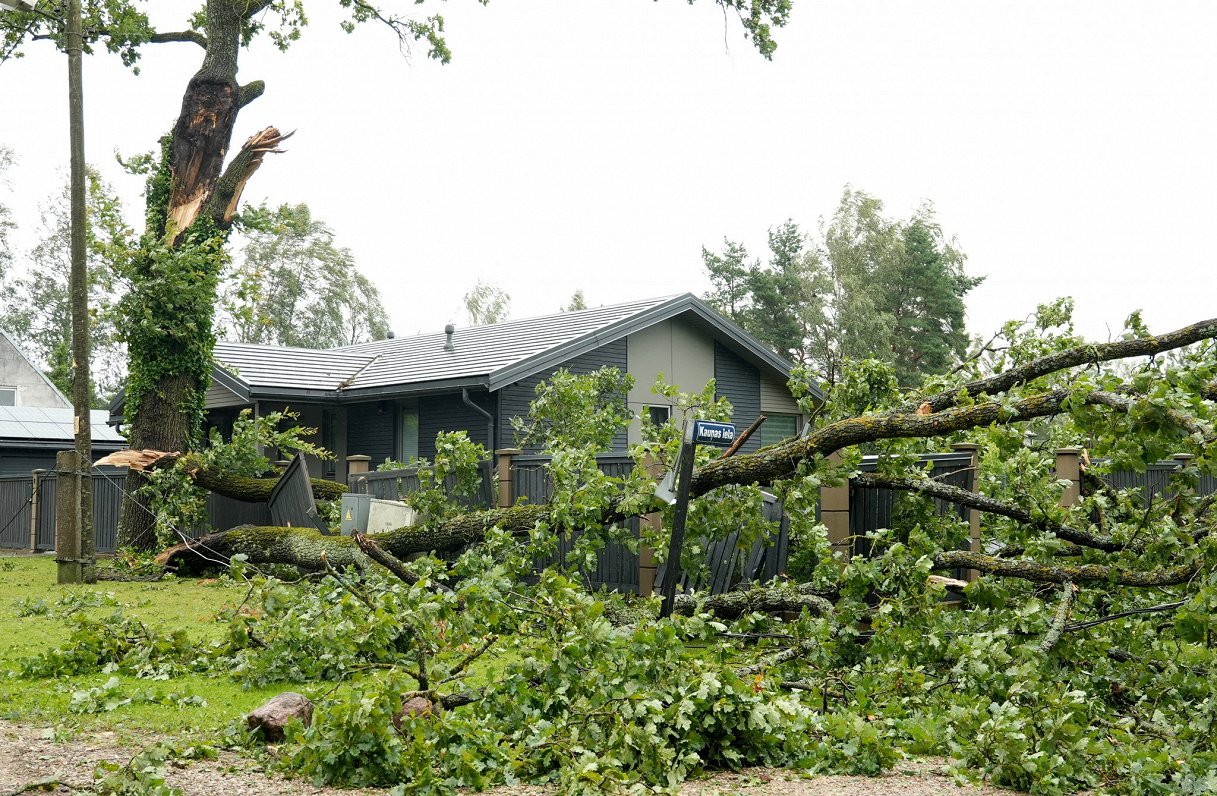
(28, 755)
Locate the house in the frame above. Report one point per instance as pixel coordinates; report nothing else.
(22, 383)
(390, 398)
(36, 420)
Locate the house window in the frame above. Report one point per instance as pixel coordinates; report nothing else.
(659, 414)
(409, 436)
(8, 396)
(778, 427)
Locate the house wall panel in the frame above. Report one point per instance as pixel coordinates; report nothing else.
(739, 383)
(684, 355)
(449, 413)
(776, 397)
(515, 398)
(370, 431)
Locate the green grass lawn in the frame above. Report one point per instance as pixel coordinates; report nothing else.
(191, 605)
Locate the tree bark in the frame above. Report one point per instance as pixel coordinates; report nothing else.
(302, 547)
(787, 598)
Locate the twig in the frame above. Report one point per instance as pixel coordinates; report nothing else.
(470, 658)
(334, 574)
(1152, 609)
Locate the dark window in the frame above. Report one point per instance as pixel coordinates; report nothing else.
(8, 396)
(778, 427)
(659, 414)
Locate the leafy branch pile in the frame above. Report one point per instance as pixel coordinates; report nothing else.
(1081, 656)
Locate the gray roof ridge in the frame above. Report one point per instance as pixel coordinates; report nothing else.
(276, 347)
(654, 301)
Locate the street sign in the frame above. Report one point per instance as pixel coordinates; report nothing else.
(708, 433)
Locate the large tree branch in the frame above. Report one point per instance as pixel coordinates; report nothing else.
(973, 500)
(770, 464)
(1081, 355)
(222, 205)
(1048, 573)
(760, 599)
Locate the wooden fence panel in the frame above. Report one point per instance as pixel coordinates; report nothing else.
(15, 494)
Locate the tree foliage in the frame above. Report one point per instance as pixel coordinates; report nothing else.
(1079, 657)
(36, 302)
(292, 286)
(487, 303)
(867, 287)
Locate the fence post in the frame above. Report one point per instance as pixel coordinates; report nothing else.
(67, 531)
(974, 544)
(357, 466)
(35, 499)
(834, 513)
(1069, 468)
(506, 494)
(648, 570)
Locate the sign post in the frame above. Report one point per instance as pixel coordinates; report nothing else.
(702, 432)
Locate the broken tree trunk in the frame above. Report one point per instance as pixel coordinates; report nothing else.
(302, 547)
(190, 199)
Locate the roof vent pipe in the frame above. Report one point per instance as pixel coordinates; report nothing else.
(449, 330)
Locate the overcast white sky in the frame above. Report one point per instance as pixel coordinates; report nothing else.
(1070, 146)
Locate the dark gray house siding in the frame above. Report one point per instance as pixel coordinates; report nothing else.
(24, 462)
(370, 431)
(514, 398)
(438, 413)
(739, 383)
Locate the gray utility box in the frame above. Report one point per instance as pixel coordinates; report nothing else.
(355, 513)
(366, 514)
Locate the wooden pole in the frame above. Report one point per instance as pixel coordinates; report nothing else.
(79, 283)
(680, 515)
(67, 534)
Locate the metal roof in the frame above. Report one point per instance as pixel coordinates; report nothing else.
(254, 366)
(32, 424)
(490, 356)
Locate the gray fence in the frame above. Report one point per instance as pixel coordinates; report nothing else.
(396, 484)
(617, 566)
(18, 528)
(871, 509)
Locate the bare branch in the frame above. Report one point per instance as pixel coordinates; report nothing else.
(973, 500)
(1151, 609)
(1046, 573)
(186, 36)
(1081, 355)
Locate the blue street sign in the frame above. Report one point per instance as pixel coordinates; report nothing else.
(707, 433)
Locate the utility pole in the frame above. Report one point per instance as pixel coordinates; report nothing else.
(74, 527)
(81, 394)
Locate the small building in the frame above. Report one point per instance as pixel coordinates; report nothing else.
(22, 383)
(36, 419)
(390, 398)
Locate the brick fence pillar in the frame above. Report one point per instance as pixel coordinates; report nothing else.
(506, 494)
(1069, 468)
(834, 513)
(974, 542)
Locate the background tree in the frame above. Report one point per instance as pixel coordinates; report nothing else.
(36, 301)
(6, 215)
(487, 303)
(291, 285)
(868, 287)
(195, 186)
(577, 302)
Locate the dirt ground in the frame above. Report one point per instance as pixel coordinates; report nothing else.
(30, 758)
